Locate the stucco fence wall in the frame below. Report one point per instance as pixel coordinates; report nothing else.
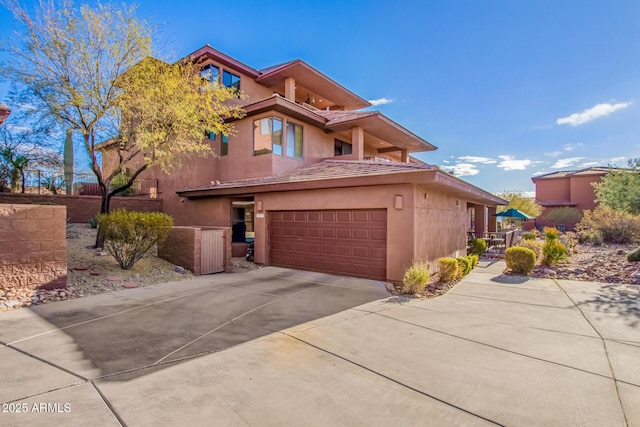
(81, 209)
(33, 246)
(183, 248)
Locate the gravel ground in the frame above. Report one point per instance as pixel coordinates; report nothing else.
(604, 263)
(92, 272)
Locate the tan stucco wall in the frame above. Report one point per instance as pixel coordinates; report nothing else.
(553, 189)
(440, 224)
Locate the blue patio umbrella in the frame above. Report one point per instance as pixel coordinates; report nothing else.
(514, 213)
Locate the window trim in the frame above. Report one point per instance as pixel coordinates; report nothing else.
(259, 124)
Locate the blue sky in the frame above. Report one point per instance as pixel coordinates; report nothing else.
(507, 90)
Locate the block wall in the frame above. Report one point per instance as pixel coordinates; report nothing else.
(82, 208)
(33, 246)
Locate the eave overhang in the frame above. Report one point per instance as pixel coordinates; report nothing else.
(207, 52)
(431, 178)
(386, 129)
(314, 80)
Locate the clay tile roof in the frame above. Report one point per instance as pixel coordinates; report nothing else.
(276, 67)
(327, 169)
(338, 116)
(598, 170)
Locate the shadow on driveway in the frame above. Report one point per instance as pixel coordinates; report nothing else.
(135, 332)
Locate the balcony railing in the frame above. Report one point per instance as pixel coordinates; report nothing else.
(44, 182)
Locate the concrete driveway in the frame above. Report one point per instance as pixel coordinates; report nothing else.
(495, 350)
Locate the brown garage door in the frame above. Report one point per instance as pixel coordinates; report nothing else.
(346, 242)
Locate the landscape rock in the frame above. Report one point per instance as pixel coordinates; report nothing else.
(180, 270)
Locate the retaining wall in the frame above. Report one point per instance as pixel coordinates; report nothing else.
(33, 246)
(82, 208)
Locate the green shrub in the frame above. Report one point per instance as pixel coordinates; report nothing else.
(120, 180)
(553, 252)
(614, 226)
(520, 260)
(634, 256)
(551, 233)
(93, 221)
(534, 245)
(464, 266)
(528, 235)
(448, 269)
(129, 235)
(416, 277)
(474, 260)
(478, 246)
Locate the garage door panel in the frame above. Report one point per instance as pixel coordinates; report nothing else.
(361, 234)
(344, 250)
(344, 233)
(347, 242)
(379, 235)
(328, 233)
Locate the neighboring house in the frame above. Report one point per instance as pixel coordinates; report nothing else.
(567, 189)
(4, 113)
(320, 185)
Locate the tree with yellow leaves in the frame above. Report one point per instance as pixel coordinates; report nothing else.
(90, 69)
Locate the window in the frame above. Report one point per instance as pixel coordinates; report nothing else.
(230, 80)
(341, 148)
(224, 145)
(294, 140)
(267, 136)
(210, 72)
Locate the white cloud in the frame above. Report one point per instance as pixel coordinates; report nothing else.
(509, 163)
(618, 159)
(539, 173)
(380, 101)
(475, 159)
(565, 163)
(462, 169)
(553, 153)
(599, 110)
(446, 161)
(529, 194)
(589, 164)
(571, 147)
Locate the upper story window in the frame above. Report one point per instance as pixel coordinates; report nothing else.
(294, 140)
(341, 148)
(210, 72)
(230, 80)
(267, 136)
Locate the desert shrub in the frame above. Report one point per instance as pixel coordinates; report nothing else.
(553, 252)
(416, 277)
(478, 246)
(615, 226)
(570, 241)
(534, 245)
(464, 266)
(564, 215)
(120, 180)
(474, 260)
(520, 260)
(448, 269)
(550, 233)
(130, 235)
(634, 255)
(528, 235)
(93, 221)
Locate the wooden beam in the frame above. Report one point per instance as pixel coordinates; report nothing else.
(388, 150)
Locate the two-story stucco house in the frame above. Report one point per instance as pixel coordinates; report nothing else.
(567, 189)
(320, 184)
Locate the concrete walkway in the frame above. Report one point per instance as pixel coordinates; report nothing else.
(495, 350)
